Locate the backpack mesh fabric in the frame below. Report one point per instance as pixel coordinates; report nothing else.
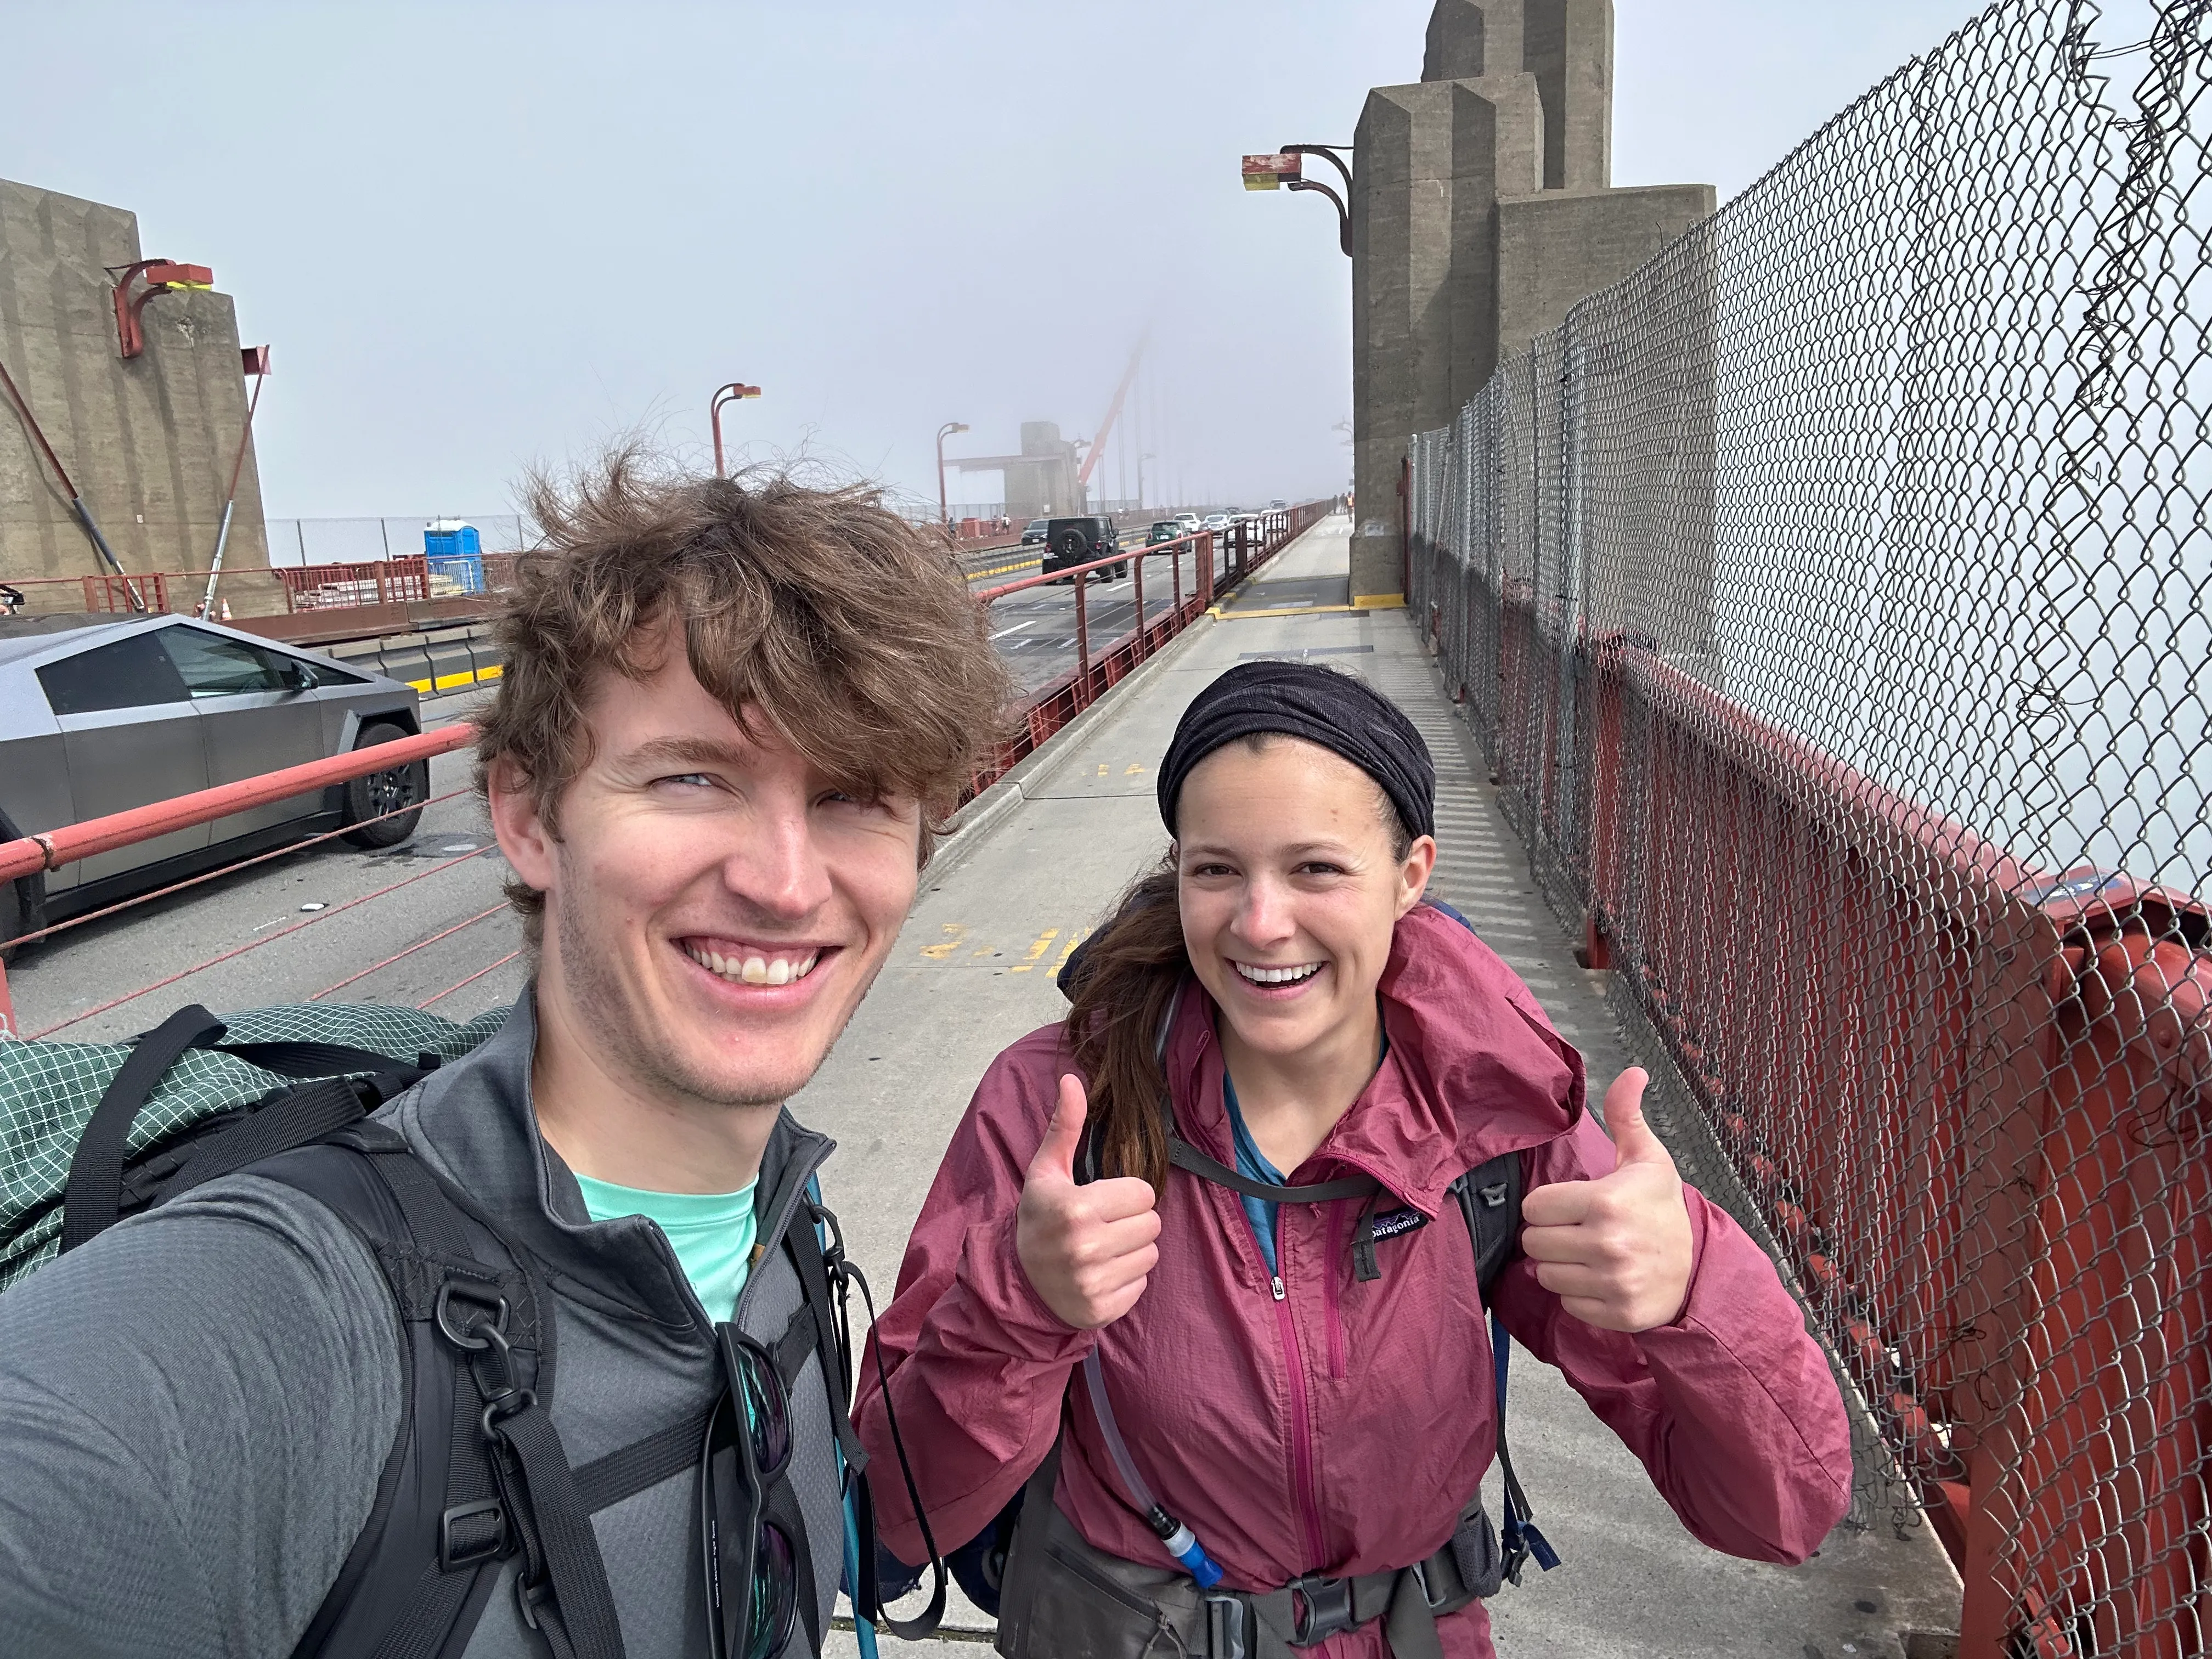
(48, 1090)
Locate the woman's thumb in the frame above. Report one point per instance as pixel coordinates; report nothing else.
(1055, 1157)
(1634, 1140)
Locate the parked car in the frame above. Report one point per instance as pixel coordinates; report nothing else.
(1079, 541)
(1033, 532)
(101, 714)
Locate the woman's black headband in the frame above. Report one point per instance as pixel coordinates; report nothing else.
(1342, 714)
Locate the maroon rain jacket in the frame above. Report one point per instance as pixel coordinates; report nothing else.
(1340, 1429)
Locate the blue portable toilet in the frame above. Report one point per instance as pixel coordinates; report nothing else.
(452, 547)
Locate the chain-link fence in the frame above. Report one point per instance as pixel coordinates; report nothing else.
(1835, 597)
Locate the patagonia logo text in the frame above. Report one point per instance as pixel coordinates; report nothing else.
(1399, 1221)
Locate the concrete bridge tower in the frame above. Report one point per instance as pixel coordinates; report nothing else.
(1482, 210)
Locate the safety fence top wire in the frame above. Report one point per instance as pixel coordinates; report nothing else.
(1834, 596)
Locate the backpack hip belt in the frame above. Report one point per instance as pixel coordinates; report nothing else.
(1064, 1596)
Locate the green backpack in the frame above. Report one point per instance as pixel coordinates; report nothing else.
(92, 1132)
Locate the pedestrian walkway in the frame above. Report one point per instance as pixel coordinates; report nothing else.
(1049, 851)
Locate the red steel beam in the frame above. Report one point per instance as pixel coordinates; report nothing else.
(55, 848)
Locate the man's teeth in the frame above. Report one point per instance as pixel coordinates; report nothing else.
(752, 970)
(1277, 976)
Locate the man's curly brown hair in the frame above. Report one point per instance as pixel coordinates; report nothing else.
(813, 612)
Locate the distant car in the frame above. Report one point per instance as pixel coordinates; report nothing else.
(1033, 532)
(101, 714)
(1215, 521)
(1079, 541)
(1165, 530)
(1189, 522)
(1277, 505)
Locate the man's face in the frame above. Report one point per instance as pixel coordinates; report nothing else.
(715, 907)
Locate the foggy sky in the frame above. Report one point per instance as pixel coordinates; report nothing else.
(483, 236)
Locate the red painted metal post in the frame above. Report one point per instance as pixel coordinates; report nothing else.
(1082, 643)
(1136, 570)
(1176, 567)
(1205, 586)
(55, 848)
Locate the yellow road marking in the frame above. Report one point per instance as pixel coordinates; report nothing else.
(1133, 770)
(1001, 569)
(953, 930)
(1042, 944)
(1286, 610)
(447, 681)
(1074, 939)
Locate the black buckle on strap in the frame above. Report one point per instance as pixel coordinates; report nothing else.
(468, 1549)
(1320, 1609)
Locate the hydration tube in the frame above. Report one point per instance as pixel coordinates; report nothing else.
(1181, 1543)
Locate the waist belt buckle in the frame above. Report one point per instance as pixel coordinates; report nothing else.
(1320, 1609)
(1420, 1571)
(1224, 1628)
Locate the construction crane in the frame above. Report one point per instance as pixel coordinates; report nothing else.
(1113, 413)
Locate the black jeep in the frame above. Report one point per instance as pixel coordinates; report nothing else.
(1069, 542)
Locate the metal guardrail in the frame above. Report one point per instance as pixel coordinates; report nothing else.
(1227, 557)
(50, 850)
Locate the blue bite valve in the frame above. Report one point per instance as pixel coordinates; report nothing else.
(1182, 1543)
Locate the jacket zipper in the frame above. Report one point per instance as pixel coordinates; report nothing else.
(1301, 1470)
(806, 1166)
(1329, 1292)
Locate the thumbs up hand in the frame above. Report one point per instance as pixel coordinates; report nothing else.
(1088, 1250)
(1617, 1250)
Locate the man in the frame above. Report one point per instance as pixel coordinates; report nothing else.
(731, 720)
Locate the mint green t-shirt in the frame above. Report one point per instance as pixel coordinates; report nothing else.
(712, 1233)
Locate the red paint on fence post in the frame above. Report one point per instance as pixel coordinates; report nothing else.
(1082, 643)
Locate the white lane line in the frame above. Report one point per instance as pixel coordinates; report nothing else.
(1016, 627)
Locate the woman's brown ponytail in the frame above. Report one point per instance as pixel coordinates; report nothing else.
(1131, 967)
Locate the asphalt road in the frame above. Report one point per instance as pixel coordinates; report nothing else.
(1035, 629)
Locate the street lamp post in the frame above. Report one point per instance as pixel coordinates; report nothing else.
(1285, 167)
(944, 509)
(728, 394)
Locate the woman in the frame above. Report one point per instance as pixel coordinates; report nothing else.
(1254, 1345)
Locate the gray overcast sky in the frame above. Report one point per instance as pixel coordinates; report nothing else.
(484, 235)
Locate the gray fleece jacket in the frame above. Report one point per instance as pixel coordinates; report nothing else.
(196, 1406)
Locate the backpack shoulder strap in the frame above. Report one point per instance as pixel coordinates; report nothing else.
(93, 1196)
(477, 1473)
(1490, 1198)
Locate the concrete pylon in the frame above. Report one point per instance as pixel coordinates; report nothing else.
(1481, 212)
(150, 440)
